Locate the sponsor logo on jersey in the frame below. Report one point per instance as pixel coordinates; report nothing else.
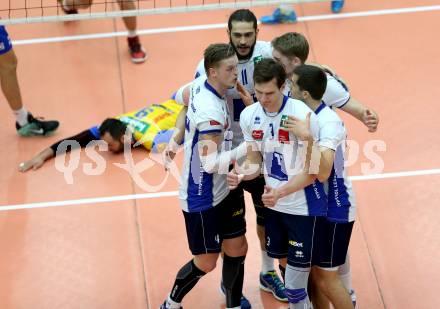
(299, 254)
(257, 135)
(257, 120)
(214, 123)
(283, 136)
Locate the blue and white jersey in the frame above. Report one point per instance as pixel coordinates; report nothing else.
(340, 195)
(207, 114)
(280, 150)
(336, 93)
(245, 69)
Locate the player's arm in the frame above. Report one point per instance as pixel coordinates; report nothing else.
(214, 161)
(176, 139)
(179, 133)
(365, 115)
(37, 161)
(338, 95)
(182, 94)
(246, 168)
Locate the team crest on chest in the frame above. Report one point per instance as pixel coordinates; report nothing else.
(257, 59)
(283, 122)
(283, 135)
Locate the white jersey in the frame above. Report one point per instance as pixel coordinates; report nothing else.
(340, 196)
(207, 114)
(245, 69)
(336, 93)
(279, 149)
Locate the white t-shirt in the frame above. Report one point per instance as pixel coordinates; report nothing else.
(207, 114)
(279, 149)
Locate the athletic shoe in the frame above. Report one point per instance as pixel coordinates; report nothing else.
(270, 282)
(36, 127)
(337, 5)
(244, 302)
(353, 297)
(137, 53)
(164, 306)
(280, 16)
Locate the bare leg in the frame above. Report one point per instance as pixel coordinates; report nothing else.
(76, 4)
(331, 286)
(130, 21)
(9, 81)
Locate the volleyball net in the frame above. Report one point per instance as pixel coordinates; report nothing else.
(37, 11)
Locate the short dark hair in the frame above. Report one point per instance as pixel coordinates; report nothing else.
(242, 15)
(311, 79)
(292, 44)
(215, 53)
(268, 69)
(115, 127)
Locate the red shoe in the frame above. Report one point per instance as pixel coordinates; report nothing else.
(137, 53)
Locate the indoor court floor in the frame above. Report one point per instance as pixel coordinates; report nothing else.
(103, 242)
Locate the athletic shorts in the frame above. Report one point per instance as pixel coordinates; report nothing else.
(206, 229)
(290, 236)
(256, 188)
(331, 243)
(5, 41)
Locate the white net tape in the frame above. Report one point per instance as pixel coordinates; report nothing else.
(35, 11)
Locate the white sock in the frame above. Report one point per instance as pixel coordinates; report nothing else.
(345, 274)
(132, 33)
(66, 6)
(286, 8)
(21, 116)
(267, 263)
(171, 304)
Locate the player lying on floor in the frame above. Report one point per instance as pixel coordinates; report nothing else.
(150, 127)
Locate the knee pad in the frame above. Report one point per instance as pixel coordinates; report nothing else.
(296, 295)
(296, 283)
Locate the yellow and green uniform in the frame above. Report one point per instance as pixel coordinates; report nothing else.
(151, 122)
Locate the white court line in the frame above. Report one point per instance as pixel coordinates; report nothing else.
(224, 25)
(130, 197)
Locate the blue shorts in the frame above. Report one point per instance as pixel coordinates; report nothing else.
(5, 41)
(331, 243)
(256, 188)
(206, 229)
(290, 236)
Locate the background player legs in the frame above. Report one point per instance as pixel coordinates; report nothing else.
(26, 124)
(137, 53)
(9, 81)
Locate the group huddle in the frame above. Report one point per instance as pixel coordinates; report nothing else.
(256, 118)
